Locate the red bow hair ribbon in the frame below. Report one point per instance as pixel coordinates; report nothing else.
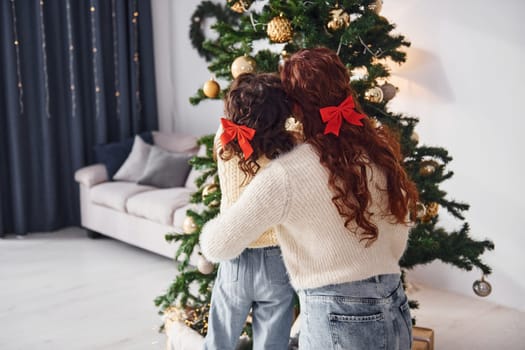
(333, 116)
(243, 134)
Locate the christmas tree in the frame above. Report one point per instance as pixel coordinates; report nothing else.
(365, 42)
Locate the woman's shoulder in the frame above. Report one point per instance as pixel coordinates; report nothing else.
(298, 153)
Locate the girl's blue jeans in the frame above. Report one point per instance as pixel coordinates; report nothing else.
(255, 280)
(362, 315)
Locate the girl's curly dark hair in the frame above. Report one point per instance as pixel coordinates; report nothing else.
(258, 101)
(316, 78)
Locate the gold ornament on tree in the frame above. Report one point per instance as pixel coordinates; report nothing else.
(279, 29)
(242, 64)
(211, 88)
(374, 94)
(376, 6)
(414, 137)
(189, 226)
(207, 190)
(339, 19)
(239, 6)
(428, 167)
(432, 210)
(204, 266)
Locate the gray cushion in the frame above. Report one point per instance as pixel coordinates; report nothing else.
(165, 169)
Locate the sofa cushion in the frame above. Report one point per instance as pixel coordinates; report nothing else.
(175, 142)
(115, 194)
(158, 205)
(165, 169)
(112, 155)
(133, 167)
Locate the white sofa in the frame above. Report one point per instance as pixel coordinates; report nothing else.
(136, 214)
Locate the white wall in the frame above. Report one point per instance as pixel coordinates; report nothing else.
(464, 78)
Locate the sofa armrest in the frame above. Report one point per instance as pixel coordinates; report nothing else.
(91, 175)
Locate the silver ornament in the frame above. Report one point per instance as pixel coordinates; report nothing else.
(481, 287)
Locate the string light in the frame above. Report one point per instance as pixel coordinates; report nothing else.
(136, 58)
(95, 58)
(16, 42)
(44, 59)
(71, 63)
(115, 57)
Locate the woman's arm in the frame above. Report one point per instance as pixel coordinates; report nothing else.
(263, 204)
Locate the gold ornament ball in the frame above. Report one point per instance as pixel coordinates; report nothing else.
(375, 95)
(240, 6)
(188, 226)
(204, 266)
(208, 189)
(242, 64)
(279, 29)
(339, 19)
(389, 91)
(428, 167)
(376, 6)
(414, 137)
(211, 88)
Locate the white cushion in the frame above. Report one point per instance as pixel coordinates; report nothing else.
(133, 167)
(175, 142)
(115, 194)
(158, 205)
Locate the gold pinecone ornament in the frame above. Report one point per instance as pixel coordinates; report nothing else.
(432, 210)
(279, 29)
(339, 19)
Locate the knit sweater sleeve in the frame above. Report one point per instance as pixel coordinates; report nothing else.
(263, 204)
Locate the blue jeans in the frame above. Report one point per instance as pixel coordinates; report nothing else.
(256, 280)
(370, 314)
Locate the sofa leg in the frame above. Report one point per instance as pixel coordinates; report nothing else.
(92, 234)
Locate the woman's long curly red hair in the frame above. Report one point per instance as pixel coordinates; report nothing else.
(316, 78)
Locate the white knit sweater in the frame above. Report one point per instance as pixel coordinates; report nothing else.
(232, 180)
(317, 248)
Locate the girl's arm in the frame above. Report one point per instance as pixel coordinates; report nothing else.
(263, 204)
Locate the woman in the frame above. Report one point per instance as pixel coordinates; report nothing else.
(342, 201)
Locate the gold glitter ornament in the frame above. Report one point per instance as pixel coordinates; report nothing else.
(239, 6)
(432, 210)
(339, 19)
(242, 64)
(189, 226)
(279, 29)
(374, 94)
(211, 88)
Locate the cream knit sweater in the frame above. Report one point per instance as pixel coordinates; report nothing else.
(231, 178)
(317, 248)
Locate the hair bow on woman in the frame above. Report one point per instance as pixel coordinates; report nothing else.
(333, 116)
(242, 133)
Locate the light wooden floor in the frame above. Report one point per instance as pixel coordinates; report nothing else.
(63, 291)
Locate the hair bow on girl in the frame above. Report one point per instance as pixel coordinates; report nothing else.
(333, 116)
(243, 134)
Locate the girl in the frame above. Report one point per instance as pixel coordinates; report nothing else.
(342, 200)
(253, 132)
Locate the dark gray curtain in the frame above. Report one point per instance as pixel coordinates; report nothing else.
(73, 74)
